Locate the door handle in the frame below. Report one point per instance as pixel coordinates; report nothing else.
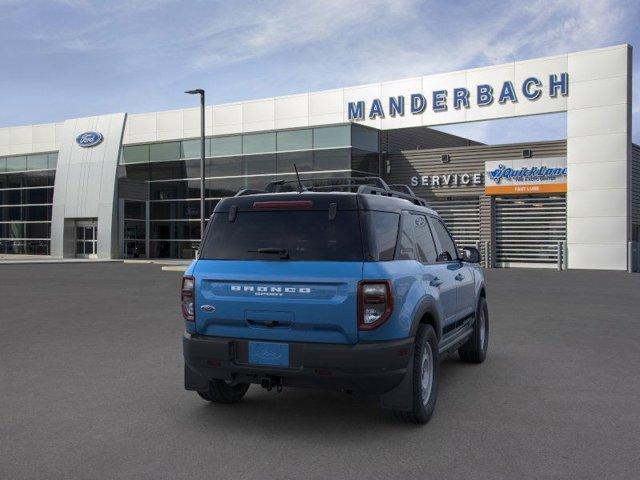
(436, 282)
(459, 277)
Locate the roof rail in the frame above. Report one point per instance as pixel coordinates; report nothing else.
(402, 188)
(392, 193)
(248, 191)
(363, 185)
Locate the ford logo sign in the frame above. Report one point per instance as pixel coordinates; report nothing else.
(89, 139)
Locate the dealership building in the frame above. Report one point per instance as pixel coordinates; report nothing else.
(127, 185)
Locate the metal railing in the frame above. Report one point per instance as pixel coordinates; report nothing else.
(485, 253)
(633, 255)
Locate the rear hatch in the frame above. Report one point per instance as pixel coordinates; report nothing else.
(283, 270)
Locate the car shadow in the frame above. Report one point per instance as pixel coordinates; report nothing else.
(312, 412)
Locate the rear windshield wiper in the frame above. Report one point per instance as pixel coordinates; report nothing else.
(283, 252)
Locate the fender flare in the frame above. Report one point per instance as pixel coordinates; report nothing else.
(481, 287)
(427, 305)
(400, 397)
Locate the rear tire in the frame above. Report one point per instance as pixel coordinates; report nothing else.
(426, 368)
(475, 349)
(222, 392)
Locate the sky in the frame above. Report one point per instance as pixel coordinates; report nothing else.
(75, 58)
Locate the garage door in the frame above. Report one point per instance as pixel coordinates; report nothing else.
(462, 217)
(528, 230)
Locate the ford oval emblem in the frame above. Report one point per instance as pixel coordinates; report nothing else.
(89, 139)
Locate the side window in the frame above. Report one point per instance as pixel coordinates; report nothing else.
(424, 240)
(406, 244)
(447, 248)
(383, 234)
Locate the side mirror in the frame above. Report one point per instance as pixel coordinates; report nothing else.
(444, 257)
(471, 255)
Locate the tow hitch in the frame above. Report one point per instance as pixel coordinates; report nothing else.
(269, 383)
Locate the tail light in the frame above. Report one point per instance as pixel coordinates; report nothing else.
(187, 298)
(375, 303)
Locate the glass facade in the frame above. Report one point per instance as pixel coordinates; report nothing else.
(167, 225)
(26, 196)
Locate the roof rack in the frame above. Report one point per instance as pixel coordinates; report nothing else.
(392, 193)
(402, 188)
(363, 185)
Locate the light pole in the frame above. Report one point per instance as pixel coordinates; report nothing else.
(200, 91)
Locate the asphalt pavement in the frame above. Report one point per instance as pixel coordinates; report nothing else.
(91, 388)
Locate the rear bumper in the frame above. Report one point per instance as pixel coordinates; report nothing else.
(375, 367)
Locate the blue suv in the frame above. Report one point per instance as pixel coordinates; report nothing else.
(349, 285)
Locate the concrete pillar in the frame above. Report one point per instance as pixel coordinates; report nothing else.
(599, 158)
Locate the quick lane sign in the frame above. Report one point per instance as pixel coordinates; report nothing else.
(482, 95)
(513, 177)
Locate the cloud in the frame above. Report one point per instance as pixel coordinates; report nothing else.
(290, 24)
(268, 47)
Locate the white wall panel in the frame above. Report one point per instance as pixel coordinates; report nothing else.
(326, 102)
(597, 120)
(292, 122)
(596, 230)
(170, 121)
(21, 135)
(191, 122)
(258, 115)
(5, 141)
(170, 135)
(598, 148)
(258, 111)
(598, 93)
(44, 147)
(596, 203)
(295, 106)
(227, 119)
(44, 133)
(599, 63)
(5, 137)
(143, 138)
(44, 138)
(20, 148)
(59, 127)
(598, 256)
(326, 119)
(603, 175)
(142, 124)
(191, 119)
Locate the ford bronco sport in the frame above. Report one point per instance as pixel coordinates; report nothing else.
(349, 286)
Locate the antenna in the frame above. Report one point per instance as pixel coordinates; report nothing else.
(300, 186)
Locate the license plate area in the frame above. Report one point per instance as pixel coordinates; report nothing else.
(269, 353)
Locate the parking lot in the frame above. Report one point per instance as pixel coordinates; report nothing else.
(91, 387)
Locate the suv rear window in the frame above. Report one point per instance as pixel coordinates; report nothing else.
(302, 234)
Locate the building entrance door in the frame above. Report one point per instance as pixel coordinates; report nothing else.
(87, 239)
